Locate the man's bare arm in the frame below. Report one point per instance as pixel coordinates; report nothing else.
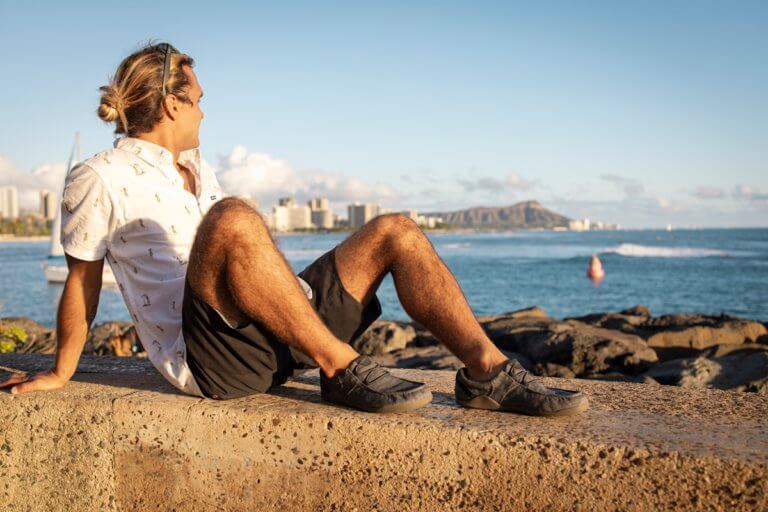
(77, 309)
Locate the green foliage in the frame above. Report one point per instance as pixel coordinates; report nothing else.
(25, 226)
(11, 336)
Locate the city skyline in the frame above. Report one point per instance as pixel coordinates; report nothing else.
(643, 115)
(288, 215)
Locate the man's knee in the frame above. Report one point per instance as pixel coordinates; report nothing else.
(397, 228)
(394, 223)
(232, 217)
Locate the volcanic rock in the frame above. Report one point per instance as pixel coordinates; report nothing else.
(744, 370)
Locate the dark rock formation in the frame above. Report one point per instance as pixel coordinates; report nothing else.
(695, 350)
(605, 346)
(681, 335)
(384, 337)
(743, 370)
(525, 215)
(108, 338)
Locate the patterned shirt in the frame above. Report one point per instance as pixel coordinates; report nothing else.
(129, 204)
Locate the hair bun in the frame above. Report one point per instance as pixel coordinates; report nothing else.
(111, 107)
(107, 112)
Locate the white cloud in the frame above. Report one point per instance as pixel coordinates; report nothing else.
(485, 184)
(49, 176)
(511, 182)
(632, 188)
(745, 192)
(704, 192)
(267, 178)
(258, 174)
(516, 181)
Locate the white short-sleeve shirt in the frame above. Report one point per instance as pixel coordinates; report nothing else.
(129, 204)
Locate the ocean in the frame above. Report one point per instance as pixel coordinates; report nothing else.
(709, 271)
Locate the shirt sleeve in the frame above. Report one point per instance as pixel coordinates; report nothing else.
(86, 209)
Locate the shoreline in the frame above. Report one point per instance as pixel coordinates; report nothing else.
(4, 238)
(12, 238)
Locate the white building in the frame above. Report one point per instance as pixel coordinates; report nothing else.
(49, 204)
(411, 214)
(322, 216)
(319, 203)
(360, 214)
(579, 225)
(322, 219)
(269, 220)
(288, 218)
(9, 202)
(428, 222)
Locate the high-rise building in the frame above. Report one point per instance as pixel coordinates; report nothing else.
(287, 218)
(322, 219)
(579, 225)
(49, 204)
(360, 214)
(322, 216)
(427, 221)
(319, 203)
(9, 202)
(300, 217)
(286, 201)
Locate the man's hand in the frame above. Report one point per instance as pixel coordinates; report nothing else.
(22, 382)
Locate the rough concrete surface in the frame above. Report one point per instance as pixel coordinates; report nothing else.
(118, 437)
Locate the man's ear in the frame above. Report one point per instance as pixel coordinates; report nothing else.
(171, 106)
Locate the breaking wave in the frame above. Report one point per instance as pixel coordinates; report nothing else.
(458, 245)
(645, 251)
(302, 253)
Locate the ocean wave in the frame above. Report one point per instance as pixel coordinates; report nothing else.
(458, 245)
(646, 251)
(300, 253)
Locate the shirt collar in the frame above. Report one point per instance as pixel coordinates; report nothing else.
(158, 156)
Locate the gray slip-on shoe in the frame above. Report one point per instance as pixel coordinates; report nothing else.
(513, 389)
(367, 386)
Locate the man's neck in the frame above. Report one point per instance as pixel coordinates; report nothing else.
(163, 138)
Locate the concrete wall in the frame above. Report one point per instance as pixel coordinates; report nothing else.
(119, 438)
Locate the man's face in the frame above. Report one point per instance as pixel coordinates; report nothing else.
(188, 116)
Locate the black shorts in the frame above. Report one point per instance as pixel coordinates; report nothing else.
(233, 361)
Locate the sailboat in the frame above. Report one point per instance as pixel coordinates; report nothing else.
(55, 267)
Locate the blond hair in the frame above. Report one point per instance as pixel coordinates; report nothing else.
(133, 98)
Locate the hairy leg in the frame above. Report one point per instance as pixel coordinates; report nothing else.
(235, 267)
(425, 286)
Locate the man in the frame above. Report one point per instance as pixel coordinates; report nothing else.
(214, 301)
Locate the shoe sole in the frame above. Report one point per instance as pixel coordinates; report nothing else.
(410, 405)
(489, 404)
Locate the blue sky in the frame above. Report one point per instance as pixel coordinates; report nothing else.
(641, 114)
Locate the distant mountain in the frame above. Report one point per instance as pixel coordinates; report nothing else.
(525, 215)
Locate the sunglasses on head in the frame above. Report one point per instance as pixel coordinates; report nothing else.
(167, 50)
